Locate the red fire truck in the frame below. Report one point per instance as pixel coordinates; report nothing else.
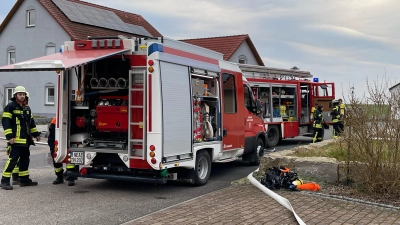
(149, 110)
(288, 98)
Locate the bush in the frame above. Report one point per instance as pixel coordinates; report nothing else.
(372, 139)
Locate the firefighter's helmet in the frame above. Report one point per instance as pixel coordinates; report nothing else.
(27, 94)
(335, 102)
(19, 89)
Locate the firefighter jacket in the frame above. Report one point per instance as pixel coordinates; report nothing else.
(335, 114)
(18, 123)
(318, 119)
(52, 132)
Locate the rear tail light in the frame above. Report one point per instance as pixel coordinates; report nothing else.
(152, 154)
(152, 147)
(83, 171)
(153, 160)
(150, 62)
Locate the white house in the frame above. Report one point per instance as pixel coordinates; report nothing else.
(34, 28)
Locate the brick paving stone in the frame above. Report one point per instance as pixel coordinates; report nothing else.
(245, 204)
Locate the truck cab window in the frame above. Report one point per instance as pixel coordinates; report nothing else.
(229, 93)
(248, 98)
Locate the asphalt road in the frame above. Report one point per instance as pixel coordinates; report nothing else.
(104, 202)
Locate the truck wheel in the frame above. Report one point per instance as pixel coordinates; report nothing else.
(257, 154)
(272, 136)
(202, 170)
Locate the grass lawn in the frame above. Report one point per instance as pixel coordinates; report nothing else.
(361, 150)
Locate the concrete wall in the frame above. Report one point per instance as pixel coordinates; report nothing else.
(245, 50)
(30, 42)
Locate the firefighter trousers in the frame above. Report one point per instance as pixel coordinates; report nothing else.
(58, 167)
(337, 129)
(317, 135)
(17, 153)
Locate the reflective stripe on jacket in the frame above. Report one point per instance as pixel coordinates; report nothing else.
(335, 114)
(18, 123)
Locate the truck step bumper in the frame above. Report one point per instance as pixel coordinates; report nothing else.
(118, 177)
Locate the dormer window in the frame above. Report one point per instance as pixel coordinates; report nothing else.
(30, 18)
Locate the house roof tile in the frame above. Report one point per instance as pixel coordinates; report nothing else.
(227, 45)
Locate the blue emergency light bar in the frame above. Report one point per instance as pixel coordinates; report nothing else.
(155, 47)
(315, 79)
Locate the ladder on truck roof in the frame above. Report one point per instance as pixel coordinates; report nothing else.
(255, 71)
(137, 113)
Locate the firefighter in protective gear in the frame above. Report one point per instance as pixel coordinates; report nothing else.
(317, 124)
(58, 167)
(15, 172)
(343, 115)
(19, 127)
(336, 119)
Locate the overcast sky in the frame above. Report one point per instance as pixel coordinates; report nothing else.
(344, 41)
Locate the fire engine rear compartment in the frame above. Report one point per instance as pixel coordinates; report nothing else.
(101, 123)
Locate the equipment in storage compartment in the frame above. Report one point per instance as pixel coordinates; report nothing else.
(176, 109)
(112, 114)
(197, 87)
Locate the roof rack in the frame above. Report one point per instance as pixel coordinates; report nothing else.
(256, 71)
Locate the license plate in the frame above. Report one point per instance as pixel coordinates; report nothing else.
(77, 158)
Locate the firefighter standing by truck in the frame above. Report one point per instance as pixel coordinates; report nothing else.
(336, 119)
(15, 172)
(318, 124)
(343, 115)
(58, 167)
(19, 127)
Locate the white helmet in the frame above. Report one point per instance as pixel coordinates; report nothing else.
(19, 89)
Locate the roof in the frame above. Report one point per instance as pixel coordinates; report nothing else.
(62, 61)
(395, 86)
(78, 31)
(227, 45)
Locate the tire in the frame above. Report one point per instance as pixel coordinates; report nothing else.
(202, 170)
(256, 156)
(272, 136)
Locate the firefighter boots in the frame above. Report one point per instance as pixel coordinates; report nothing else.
(15, 179)
(27, 182)
(59, 180)
(5, 184)
(71, 181)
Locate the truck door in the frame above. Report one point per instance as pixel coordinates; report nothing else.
(233, 118)
(324, 93)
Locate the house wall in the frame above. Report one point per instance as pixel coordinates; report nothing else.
(30, 42)
(245, 50)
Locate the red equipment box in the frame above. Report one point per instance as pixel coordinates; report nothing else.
(112, 114)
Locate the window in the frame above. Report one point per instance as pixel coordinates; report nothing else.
(50, 48)
(9, 94)
(229, 93)
(325, 90)
(49, 94)
(248, 98)
(242, 59)
(30, 18)
(11, 55)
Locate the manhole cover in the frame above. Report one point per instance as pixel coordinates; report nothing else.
(80, 192)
